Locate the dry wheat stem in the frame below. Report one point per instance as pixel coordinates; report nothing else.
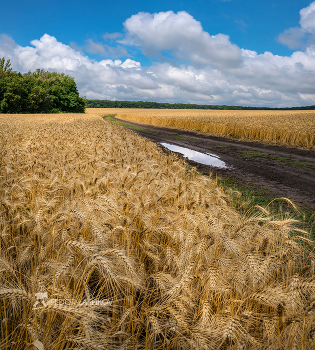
(92, 213)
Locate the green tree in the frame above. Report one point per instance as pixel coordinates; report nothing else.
(15, 96)
(4, 68)
(40, 100)
(37, 92)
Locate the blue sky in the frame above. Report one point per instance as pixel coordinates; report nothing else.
(213, 52)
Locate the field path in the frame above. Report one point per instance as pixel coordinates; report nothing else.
(285, 171)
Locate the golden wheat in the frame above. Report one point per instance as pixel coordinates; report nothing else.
(108, 243)
(293, 128)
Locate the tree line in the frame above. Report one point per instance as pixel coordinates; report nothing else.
(162, 105)
(37, 92)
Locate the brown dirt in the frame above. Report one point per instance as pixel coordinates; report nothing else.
(287, 178)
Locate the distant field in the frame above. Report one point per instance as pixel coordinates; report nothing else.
(106, 242)
(294, 128)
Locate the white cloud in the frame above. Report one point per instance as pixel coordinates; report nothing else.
(183, 36)
(131, 64)
(213, 70)
(307, 20)
(303, 36)
(48, 53)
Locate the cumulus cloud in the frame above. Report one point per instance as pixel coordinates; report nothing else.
(303, 36)
(307, 20)
(210, 69)
(182, 36)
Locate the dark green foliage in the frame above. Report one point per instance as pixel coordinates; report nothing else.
(37, 92)
(162, 105)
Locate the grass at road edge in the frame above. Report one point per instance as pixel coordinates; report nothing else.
(109, 117)
(284, 160)
(246, 197)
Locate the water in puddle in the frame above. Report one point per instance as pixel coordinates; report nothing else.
(203, 158)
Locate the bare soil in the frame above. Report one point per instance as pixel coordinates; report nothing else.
(284, 171)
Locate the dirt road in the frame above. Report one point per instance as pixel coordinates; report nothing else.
(285, 171)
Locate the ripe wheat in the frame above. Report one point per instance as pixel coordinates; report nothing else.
(293, 128)
(91, 213)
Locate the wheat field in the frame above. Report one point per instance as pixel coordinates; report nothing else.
(106, 242)
(292, 128)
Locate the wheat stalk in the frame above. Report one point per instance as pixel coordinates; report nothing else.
(101, 214)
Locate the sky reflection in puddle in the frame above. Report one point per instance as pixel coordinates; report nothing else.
(203, 158)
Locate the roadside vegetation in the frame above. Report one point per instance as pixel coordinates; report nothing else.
(248, 199)
(106, 242)
(283, 160)
(109, 118)
(37, 92)
(292, 128)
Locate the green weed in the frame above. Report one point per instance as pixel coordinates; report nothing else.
(246, 197)
(284, 160)
(181, 138)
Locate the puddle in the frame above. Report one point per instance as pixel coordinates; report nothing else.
(203, 158)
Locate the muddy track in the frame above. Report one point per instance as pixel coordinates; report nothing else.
(285, 171)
